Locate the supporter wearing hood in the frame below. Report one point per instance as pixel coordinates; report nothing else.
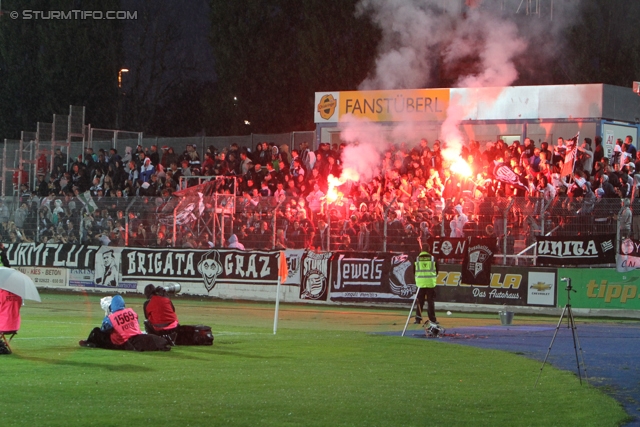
(122, 323)
(234, 243)
(118, 326)
(127, 155)
(146, 170)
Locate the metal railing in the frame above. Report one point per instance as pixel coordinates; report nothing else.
(207, 219)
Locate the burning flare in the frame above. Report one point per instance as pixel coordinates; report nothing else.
(333, 194)
(460, 167)
(457, 165)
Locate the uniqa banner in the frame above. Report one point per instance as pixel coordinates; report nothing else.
(64, 255)
(580, 250)
(211, 266)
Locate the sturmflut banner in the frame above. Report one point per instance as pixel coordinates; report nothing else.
(52, 255)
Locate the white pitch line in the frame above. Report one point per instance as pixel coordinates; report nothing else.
(43, 338)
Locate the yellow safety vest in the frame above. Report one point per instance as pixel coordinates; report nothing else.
(426, 273)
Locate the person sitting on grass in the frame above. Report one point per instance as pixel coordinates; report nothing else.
(160, 313)
(120, 331)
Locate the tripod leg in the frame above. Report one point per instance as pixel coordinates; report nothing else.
(576, 341)
(413, 304)
(551, 344)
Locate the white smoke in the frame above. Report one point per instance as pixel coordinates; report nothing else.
(497, 44)
(422, 37)
(410, 32)
(366, 143)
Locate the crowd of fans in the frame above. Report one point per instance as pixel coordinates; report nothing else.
(278, 197)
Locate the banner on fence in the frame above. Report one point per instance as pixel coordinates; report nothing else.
(597, 288)
(564, 250)
(195, 265)
(448, 247)
(315, 276)
(476, 267)
(294, 263)
(47, 277)
(508, 286)
(63, 255)
(628, 257)
(86, 278)
(372, 277)
(352, 281)
(107, 266)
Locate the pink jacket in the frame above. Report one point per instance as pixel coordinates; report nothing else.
(9, 311)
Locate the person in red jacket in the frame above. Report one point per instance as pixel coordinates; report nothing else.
(160, 313)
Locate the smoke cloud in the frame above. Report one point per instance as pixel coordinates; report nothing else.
(424, 37)
(367, 141)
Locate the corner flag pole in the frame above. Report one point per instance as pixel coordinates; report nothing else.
(282, 276)
(275, 317)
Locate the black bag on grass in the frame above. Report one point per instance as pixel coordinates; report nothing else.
(147, 342)
(194, 335)
(4, 349)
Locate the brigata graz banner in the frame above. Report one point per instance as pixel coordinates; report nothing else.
(210, 266)
(52, 255)
(565, 250)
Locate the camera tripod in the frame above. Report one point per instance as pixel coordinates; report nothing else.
(572, 325)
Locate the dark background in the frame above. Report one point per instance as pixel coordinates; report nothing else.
(204, 67)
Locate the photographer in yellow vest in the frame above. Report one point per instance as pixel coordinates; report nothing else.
(426, 273)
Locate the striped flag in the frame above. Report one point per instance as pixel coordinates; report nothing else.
(88, 202)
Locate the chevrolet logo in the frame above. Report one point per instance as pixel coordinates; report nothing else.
(540, 286)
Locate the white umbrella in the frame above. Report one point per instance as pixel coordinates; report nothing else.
(18, 283)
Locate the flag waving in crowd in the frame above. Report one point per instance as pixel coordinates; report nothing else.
(503, 173)
(570, 156)
(88, 202)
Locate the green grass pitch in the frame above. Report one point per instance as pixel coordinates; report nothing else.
(324, 367)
